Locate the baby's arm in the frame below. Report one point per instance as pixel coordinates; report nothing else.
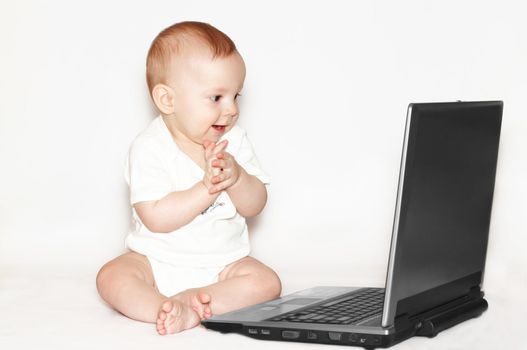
(175, 209)
(181, 207)
(248, 194)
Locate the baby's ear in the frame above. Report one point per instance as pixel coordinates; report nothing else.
(163, 97)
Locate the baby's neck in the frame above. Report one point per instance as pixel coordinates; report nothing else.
(188, 146)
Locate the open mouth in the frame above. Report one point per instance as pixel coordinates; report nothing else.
(220, 128)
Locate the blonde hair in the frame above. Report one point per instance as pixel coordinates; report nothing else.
(174, 39)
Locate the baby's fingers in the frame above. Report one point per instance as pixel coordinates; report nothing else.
(209, 148)
(219, 163)
(218, 187)
(220, 146)
(218, 178)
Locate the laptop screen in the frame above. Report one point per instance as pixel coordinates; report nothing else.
(444, 203)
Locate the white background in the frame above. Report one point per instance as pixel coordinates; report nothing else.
(325, 98)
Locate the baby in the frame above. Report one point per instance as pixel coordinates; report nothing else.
(193, 179)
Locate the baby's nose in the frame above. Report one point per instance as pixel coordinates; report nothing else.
(231, 110)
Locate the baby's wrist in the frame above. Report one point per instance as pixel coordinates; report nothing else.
(208, 188)
(204, 185)
(241, 172)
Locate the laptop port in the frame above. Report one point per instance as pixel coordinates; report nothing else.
(312, 335)
(290, 334)
(335, 336)
(253, 331)
(363, 340)
(266, 332)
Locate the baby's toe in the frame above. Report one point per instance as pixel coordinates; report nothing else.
(167, 306)
(204, 298)
(162, 315)
(208, 311)
(161, 328)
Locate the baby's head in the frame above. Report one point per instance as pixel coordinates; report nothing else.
(195, 75)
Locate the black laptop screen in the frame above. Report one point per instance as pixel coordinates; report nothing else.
(447, 195)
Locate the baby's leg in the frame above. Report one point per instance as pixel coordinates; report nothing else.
(244, 282)
(127, 284)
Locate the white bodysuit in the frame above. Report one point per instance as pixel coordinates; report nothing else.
(218, 236)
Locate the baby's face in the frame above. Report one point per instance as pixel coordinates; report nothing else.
(205, 95)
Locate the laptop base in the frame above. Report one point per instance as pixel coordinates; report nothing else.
(428, 324)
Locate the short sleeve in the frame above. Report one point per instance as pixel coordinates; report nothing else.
(146, 173)
(247, 159)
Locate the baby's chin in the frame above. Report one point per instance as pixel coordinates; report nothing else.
(210, 138)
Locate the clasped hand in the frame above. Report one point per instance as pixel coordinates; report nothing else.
(221, 169)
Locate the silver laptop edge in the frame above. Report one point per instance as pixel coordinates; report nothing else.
(388, 313)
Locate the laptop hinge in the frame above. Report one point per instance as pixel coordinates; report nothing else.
(432, 325)
(433, 321)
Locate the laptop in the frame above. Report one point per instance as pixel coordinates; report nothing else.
(438, 247)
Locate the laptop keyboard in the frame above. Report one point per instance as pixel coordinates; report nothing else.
(350, 309)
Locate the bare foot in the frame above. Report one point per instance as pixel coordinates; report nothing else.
(175, 316)
(198, 301)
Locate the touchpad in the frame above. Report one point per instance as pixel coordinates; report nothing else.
(300, 301)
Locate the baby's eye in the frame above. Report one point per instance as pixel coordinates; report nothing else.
(237, 95)
(215, 98)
